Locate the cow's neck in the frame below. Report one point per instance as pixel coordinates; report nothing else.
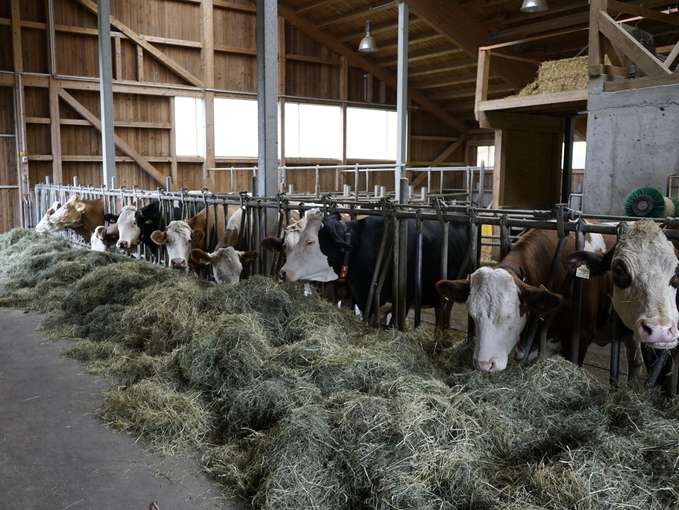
(530, 260)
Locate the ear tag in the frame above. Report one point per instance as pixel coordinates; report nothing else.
(582, 272)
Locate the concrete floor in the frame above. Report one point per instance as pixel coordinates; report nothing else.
(55, 454)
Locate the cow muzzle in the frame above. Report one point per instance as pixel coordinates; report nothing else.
(178, 264)
(657, 333)
(488, 366)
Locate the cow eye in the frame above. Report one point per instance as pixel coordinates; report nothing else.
(621, 275)
(674, 281)
(310, 242)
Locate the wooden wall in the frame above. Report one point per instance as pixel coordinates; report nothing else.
(161, 50)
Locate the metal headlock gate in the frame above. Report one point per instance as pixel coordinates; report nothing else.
(392, 250)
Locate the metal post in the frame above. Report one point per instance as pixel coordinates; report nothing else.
(567, 174)
(577, 299)
(106, 94)
(418, 271)
(401, 96)
(403, 260)
(615, 349)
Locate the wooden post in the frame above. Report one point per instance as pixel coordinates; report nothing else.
(118, 57)
(51, 38)
(207, 57)
(596, 48)
(17, 50)
(140, 64)
(209, 161)
(482, 80)
(369, 88)
(22, 151)
(173, 147)
(55, 132)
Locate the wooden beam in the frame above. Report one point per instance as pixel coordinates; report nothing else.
(173, 147)
(282, 57)
(596, 48)
(672, 57)
(17, 50)
(55, 133)
(460, 26)
(627, 45)
(353, 58)
(140, 64)
(168, 62)
(207, 50)
(482, 81)
(209, 161)
(119, 142)
(117, 45)
(640, 10)
(233, 6)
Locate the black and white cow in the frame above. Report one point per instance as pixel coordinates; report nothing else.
(329, 242)
(136, 225)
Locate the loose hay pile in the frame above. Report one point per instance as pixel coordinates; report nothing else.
(294, 404)
(559, 76)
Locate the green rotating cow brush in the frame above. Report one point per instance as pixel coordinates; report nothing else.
(648, 202)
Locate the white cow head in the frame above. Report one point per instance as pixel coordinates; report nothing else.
(44, 226)
(303, 257)
(97, 242)
(645, 280)
(498, 302)
(227, 263)
(128, 228)
(177, 239)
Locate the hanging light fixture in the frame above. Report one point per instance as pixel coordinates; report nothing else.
(534, 6)
(367, 44)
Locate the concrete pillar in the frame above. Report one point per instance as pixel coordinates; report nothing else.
(106, 94)
(401, 96)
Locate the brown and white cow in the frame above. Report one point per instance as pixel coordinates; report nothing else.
(185, 242)
(81, 216)
(645, 274)
(499, 298)
(44, 226)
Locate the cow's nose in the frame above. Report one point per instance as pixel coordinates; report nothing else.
(178, 263)
(487, 366)
(657, 332)
(121, 245)
(281, 275)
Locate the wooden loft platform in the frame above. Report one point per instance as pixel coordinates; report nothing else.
(554, 103)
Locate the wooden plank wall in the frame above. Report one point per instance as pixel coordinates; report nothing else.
(160, 51)
(9, 197)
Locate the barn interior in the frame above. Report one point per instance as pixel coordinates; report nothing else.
(501, 115)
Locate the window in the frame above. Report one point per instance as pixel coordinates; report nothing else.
(313, 131)
(579, 155)
(189, 118)
(485, 156)
(236, 128)
(371, 134)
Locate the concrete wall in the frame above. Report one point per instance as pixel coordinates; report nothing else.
(632, 141)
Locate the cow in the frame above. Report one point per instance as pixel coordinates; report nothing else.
(81, 216)
(136, 225)
(645, 275)
(104, 238)
(354, 245)
(500, 298)
(43, 226)
(186, 245)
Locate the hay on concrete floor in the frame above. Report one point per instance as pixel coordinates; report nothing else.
(559, 76)
(294, 404)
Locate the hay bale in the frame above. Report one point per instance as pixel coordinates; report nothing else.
(167, 419)
(559, 76)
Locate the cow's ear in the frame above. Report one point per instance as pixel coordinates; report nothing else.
(457, 290)
(597, 263)
(197, 236)
(247, 256)
(159, 237)
(100, 233)
(539, 299)
(200, 256)
(273, 244)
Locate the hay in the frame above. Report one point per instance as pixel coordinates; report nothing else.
(295, 404)
(559, 76)
(167, 419)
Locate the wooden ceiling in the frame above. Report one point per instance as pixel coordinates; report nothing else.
(445, 36)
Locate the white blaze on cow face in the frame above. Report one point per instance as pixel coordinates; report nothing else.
(226, 263)
(177, 241)
(128, 230)
(68, 215)
(643, 265)
(97, 242)
(495, 305)
(304, 258)
(44, 226)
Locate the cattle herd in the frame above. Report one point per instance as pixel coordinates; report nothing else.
(634, 274)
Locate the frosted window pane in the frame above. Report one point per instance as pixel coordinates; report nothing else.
(236, 128)
(579, 155)
(313, 131)
(485, 155)
(371, 134)
(189, 114)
